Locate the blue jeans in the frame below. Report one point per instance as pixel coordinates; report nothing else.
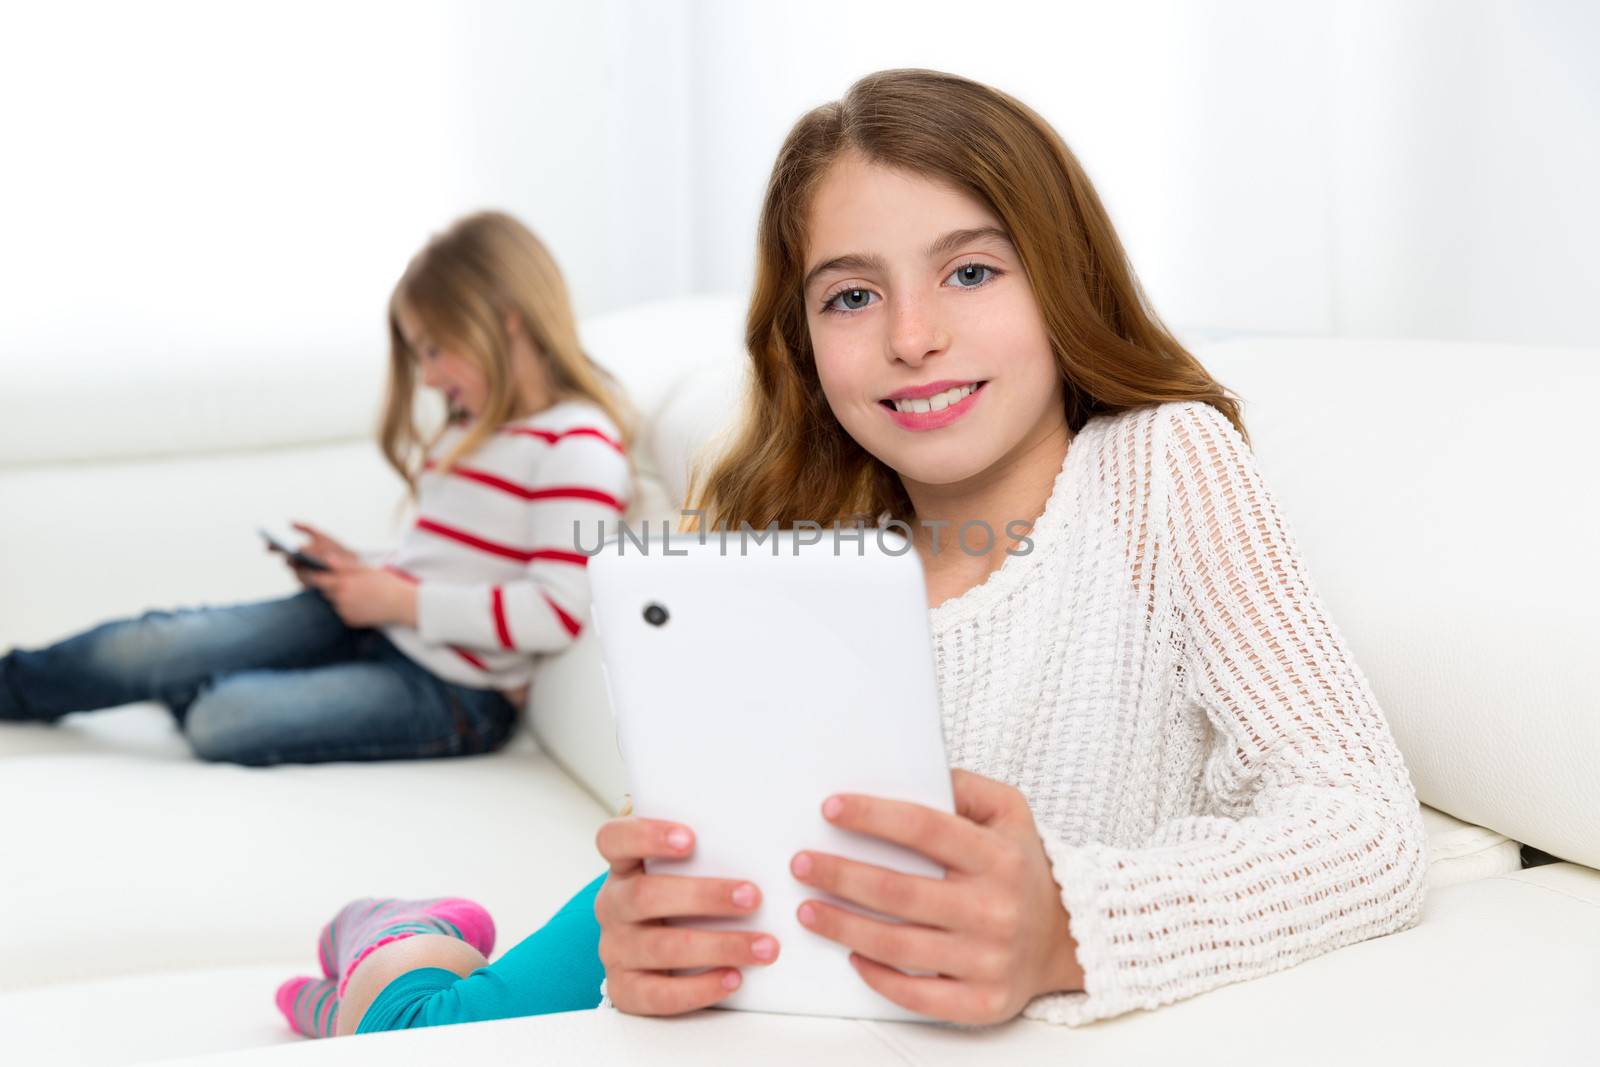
(277, 681)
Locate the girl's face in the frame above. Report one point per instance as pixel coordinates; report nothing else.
(929, 345)
(463, 385)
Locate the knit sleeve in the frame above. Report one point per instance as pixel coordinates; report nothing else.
(577, 494)
(1312, 837)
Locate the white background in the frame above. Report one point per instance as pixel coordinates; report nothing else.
(223, 184)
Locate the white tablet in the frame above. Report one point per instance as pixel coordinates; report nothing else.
(751, 679)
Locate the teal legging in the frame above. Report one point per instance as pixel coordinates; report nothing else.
(556, 968)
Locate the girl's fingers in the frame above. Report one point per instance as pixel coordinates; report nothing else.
(929, 901)
(940, 998)
(655, 994)
(666, 896)
(664, 948)
(949, 840)
(900, 945)
(320, 544)
(626, 842)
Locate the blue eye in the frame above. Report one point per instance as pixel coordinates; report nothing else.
(972, 275)
(849, 300)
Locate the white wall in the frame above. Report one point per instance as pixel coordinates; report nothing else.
(1468, 159)
(206, 196)
(1409, 168)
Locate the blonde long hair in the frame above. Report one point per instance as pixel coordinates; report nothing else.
(462, 285)
(790, 460)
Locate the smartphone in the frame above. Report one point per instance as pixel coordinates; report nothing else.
(299, 559)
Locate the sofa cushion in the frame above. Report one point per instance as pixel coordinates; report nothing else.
(144, 731)
(135, 862)
(649, 347)
(568, 694)
(1499, 969)
(184, 401)
(695, 421)
(103, 540)
(148, 1017)
(1460, 852)
(1437, 500)
(569, 712)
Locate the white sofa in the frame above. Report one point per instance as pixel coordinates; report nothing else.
(150, 904)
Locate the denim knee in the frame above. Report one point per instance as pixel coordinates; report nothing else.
(211, 725)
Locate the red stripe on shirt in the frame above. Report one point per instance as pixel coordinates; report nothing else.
(521, 555)
(575, 492)
(470, 658)
(552, 436)
(502, 631)
(558, 492)
(560, 555)
(572, 625)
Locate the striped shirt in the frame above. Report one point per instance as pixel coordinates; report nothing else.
(493, 549)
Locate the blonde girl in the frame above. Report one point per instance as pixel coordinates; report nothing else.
(425, 650)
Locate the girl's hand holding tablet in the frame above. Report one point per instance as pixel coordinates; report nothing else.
(993, 932)
(726, 723)
(638, 949)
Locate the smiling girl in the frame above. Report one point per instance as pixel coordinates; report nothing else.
(1170, 773)
(426, 650)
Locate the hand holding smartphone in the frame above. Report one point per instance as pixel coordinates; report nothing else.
(295, 557)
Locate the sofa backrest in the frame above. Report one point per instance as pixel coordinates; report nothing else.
(1443, 496)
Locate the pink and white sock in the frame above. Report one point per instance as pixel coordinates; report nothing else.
(311, 1005)
(364, 926)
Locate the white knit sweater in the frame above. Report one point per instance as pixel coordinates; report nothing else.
(1214, 784)
(1216, 788)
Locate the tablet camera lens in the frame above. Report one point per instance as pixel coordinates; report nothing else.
(655, 615)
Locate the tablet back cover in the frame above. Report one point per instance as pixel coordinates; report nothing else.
(778, 678)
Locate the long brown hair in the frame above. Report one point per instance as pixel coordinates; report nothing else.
(462, 286)
(790, 460)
